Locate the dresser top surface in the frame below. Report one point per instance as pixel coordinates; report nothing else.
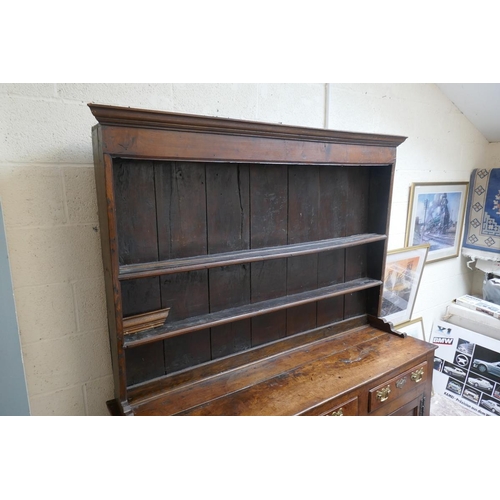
(292, 381)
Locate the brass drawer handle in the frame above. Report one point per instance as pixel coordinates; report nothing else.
(339, 413)
(418, 375)
(383, 394)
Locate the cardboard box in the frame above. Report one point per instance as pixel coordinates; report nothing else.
(470, 319)
(467, 367)
(477, 304)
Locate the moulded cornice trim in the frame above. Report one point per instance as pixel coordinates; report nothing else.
(141, 118)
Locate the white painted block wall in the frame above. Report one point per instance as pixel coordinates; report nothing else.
(48, 193)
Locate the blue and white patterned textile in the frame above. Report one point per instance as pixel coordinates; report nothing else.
(482, 217)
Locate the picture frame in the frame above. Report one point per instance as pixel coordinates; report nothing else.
(436, 216)
(403, 272)
(413, 328)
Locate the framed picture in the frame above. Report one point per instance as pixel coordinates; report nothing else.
(413, 328)
(403, 271)
(436, 216)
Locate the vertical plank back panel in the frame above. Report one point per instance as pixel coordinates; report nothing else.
(137, 242)
(181, 200)
(136, 211)
(357, 222)
(379, 202)
(332, 224)
(228, 216)
(302, 271)
(268, 227)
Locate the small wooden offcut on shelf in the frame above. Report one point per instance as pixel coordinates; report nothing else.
(145, 321)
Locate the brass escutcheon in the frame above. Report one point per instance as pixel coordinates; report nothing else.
(383, 394)
(418, 375)
(401, 382)
(339, 413)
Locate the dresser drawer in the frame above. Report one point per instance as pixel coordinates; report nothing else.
(348, 409)
(333, 408)
(398, 386)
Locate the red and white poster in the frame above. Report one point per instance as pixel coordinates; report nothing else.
(467, 368)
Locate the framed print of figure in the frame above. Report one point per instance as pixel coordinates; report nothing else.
(436, 217)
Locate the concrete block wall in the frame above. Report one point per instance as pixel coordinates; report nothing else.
(49, 202)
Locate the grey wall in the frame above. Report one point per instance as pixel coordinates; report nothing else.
(13, 393)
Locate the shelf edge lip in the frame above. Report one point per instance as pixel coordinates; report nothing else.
(119, 116)
(135, 340)
(143, 270)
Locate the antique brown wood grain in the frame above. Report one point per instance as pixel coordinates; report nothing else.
(135, 204)
(182, 227)
(268, 227)
(267, 242)
(157, 387)
(105, 199)
(294, 382)
(228, 215)
(262, 253)
(164, 144)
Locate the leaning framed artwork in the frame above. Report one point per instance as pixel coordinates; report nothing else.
(413, 328)
(436, 217)
(403, 272)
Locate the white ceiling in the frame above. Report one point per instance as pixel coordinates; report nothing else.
(480, 103)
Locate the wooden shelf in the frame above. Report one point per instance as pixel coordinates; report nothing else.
(247, 311)
(144, 270)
